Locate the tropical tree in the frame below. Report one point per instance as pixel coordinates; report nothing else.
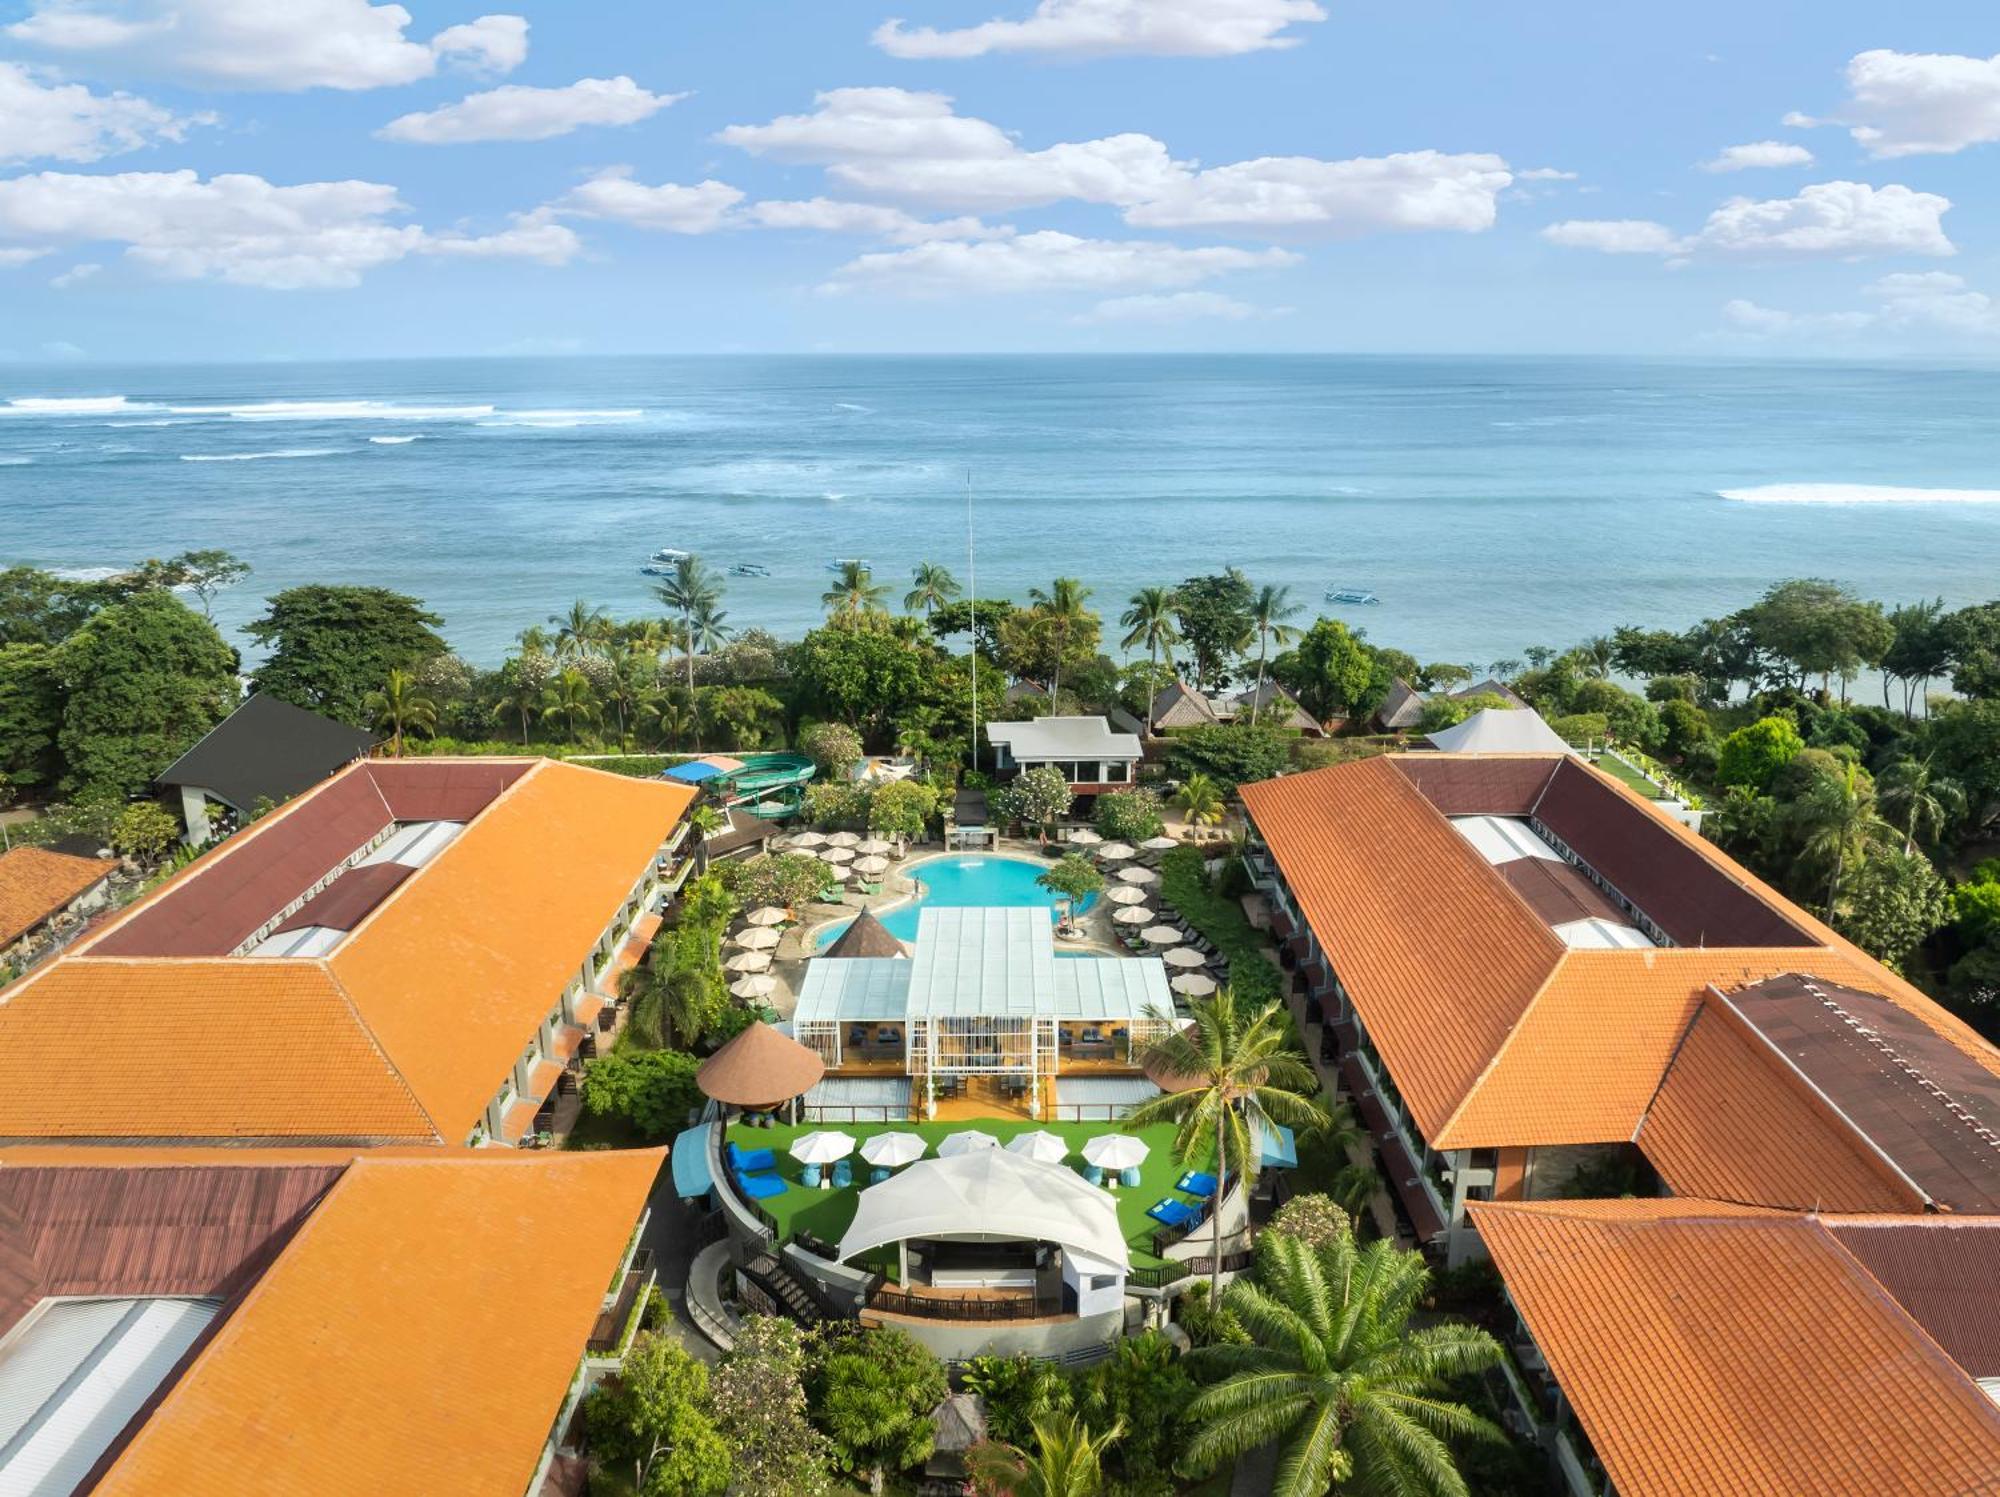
(692, 589)
(1075, 878)
(653, 1421)
(332, 645)
(1913, 790)
(1067, 1461)
(854, 595)
(931, 587)
(624, 684)
(399, 708)
(1063, 615)
(708, 630)
(583, 630)
(1838, 819)
(1271, 612)
(672, 715)
(1200, 800)
(571, 699)
(1246, 1075)
(1149, 622)
(1044, 797)
(876, 1393)
(1335, 1372)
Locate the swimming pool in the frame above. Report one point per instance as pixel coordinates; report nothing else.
(977, 879)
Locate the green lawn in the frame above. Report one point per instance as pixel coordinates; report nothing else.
(826, 1213)
(1618, 769)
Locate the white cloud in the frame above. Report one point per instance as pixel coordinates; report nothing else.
(280, 45)
(244, 229)
(670, 207)
(1920, 104)
(831, 216)
(517, 112)
(10, 258)
(67, 122)
(912, 147)
(75, 275)
(1921, 305)
(1046, 261)
(1167, 307)
(1546, 174)
(1115, 28)
(1759, 153)
(1767, 322)
(1828, 220)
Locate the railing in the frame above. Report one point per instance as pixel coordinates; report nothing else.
(934, 1307)
(1157, 1276)
(1236, 1262)
(609, 1333)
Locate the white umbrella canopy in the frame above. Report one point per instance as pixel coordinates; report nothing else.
(966, 1141)
(842, 839)
(1127, 895)
(1184, 956)
(748, 961)
(821, 1147)
(756, 985)
(1161, 935)
(1160, 844)
(871, 864)
(838, 855)
(769, 914)
(874, 847)
(1138, 875)
(1115, 1151)
(756, 938)
(1083, 836)
(1041, 1144)
(1193, 984)
(1131, 914)
(893, 1150)
(1114, 852)
(807, 839)
(837, 873)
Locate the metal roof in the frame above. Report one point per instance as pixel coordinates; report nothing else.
(857, 989)
(1064, 738)
(267, 750)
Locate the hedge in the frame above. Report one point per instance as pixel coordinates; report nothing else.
(1185, 886)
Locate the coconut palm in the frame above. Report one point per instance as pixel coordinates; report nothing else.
(653, 638)
(1245, 1072)
(399, 708)
(1913, 790)
(581, 631)
(1067, 1461)
(854, 595)
(1840, 824)
(931, 587)
(520, 698)
(671, 714)
(1334, 1371)
(1149, 616)
(624, 684)
(1200, 800)
(691, 589)
(571, 699)
(534, 640)
(1270, 614)
(1062, 611)
(1597, 655)
(709, 629)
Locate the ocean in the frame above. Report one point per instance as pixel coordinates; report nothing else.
(1490, 504)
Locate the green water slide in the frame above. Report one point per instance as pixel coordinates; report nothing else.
(768, 785)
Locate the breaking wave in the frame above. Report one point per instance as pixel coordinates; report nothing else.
(74, 405)
(336, 410)
(251, 457)
(395, 441)
(1856, 493)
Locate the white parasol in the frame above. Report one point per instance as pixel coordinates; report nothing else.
(748, 961)
(1184, 956)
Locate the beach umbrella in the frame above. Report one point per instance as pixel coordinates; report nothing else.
(769, 914)
(1184, 956)
(1127, 896)
(807, 839)
(893, 1150)
(756, 938)
(1083, 836)
(1160, 844)
(1193, 984)
(757, 985)
(1114, 852)
(842, 839)
(1138, 875)
(871, 866)
(838, 855)
(966, 1141)
(835, 873)
(1115, 1151)
(1040, 1145)
(821, 1146)
(1162, 935)
(748, 961)
(874, 847)
(1132, 914)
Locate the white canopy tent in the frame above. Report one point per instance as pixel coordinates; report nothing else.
(967, 1197)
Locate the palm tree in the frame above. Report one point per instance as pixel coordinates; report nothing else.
(692, 589)
(397, 708)
(1596, 655)
(707, 819)
(708, 629)
(652, 638)
(1838, 815)
(534, 640)
(931, 587)
(1912, 789)
(569, 698)
(581, 631)
(1200, 800)
(622, 687)
(1270, 612)
(1068, 1460)
(1062, 611)
(1245, 1071)
(1150, 618)
(854, 594)
(671, 714)
(520, 698)
(1334, 1370)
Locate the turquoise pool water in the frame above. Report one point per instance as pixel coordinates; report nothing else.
(978, 879)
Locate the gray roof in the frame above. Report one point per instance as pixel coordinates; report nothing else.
(1064, 738)
(1500, 730)
(267, 750)
(865, 936)
(1402, 706)
(1181, 706)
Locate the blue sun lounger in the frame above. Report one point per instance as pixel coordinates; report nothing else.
(1196, 1183)
(748, 1160)
(1173, 1213)
(760, 1187)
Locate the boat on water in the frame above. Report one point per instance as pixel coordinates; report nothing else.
(749, 569)
(841, 563)
(1350, 595)
(652, 569)
(669, 554)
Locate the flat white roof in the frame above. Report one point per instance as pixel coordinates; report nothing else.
(1502, 839)
(415, 843)
(1064, 738)
(1597, 934)
(852, 990)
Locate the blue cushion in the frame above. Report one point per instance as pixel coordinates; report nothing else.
(843, 1173)
(1129, 1177)
(757, 1187)
(1196, 1183)
(749, 1160)
(1173, 1213)
(809, 1175)
(1093, 1174)
(877, 1175)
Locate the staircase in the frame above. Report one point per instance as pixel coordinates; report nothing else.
(767, 1271)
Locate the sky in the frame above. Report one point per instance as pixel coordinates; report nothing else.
(246, 179)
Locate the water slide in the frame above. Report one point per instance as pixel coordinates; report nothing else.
(765, 785)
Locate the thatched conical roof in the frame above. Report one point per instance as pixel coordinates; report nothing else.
(865, 936)
(759, 1068)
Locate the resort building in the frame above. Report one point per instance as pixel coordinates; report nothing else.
(40, 890)
(1179, 705)
(260, 756)
(981, 1017)
(1403, 706)
(1535, 982)
(321, 1326)
(416, 951)
(1685, 1348)
(1092, 757)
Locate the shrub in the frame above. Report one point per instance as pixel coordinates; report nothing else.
(903, 809)
(1752, 755)
(1448, 712)
(834, 747)
(653, 1090)
(840, 803)
(1581, 727)
(1222, 921)
(144, 830)
(1129, 815)
(1314, 1219)
(1232, 754)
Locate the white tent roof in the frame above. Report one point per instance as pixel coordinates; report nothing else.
(971, 1196)
(1500, 730)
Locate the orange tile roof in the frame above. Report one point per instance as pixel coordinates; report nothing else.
(1732, 1122)
(194, 1050)
(36, 883)
(1710, 1350)
(454, 971)
(419, 1334)
(1440, 957)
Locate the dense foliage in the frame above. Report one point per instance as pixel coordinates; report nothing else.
(331, 646)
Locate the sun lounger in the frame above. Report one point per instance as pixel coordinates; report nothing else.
(748, 1160)
(761, 1187)
(1171, 1213)
(1196, 1183)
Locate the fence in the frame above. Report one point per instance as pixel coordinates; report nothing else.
(938, 1307)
